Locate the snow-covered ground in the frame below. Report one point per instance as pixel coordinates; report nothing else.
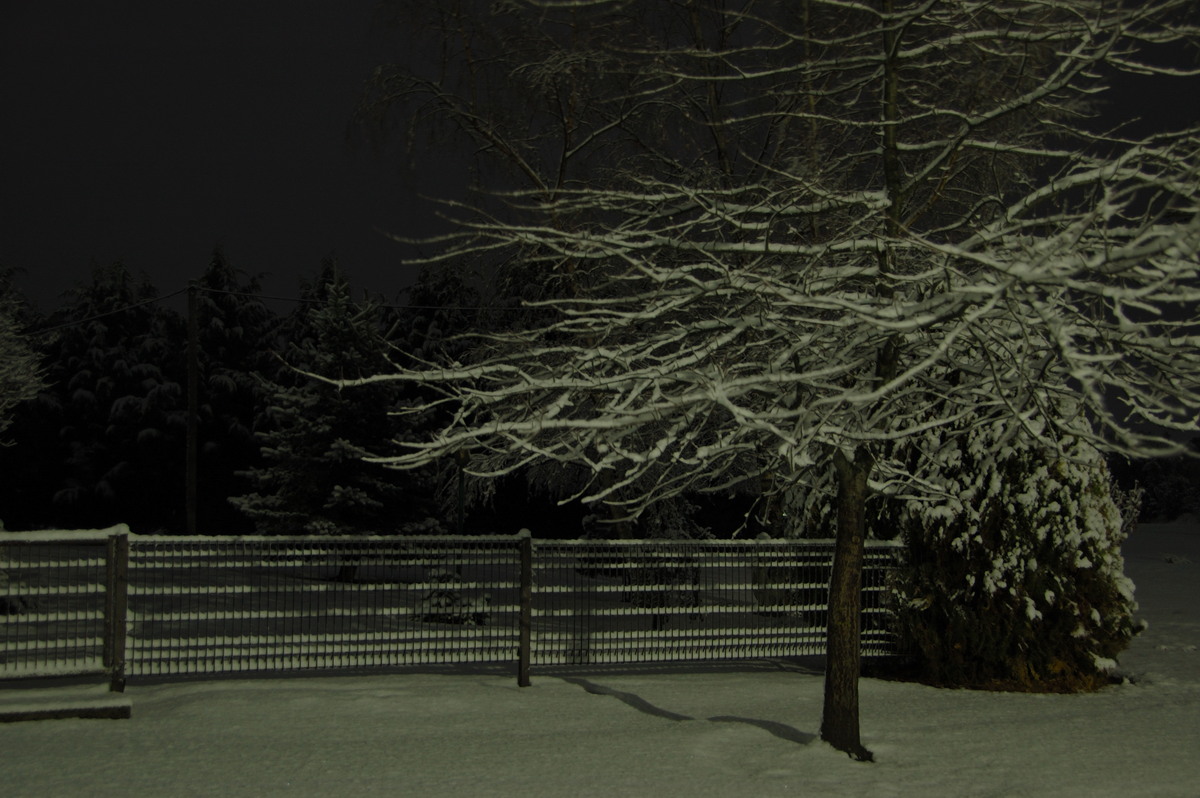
(698, 732)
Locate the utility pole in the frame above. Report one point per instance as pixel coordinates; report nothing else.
(193, 404)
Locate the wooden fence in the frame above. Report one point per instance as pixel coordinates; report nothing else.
(209, 605)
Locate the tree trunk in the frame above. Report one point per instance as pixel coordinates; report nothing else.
(843, 652)
(839, 724)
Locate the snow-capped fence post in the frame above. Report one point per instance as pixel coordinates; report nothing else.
(116, 605)
(525, 544)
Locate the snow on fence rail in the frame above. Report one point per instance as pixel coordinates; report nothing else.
(210, 605)
(641, 601)
(216, 605)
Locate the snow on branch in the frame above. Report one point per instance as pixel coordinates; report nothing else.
(863, 228)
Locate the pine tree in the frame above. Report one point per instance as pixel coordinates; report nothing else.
(1171, 485)
(20, 364)
(104, 443)
(314, 479)
(235, 330)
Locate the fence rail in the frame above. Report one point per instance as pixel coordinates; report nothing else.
(624, 601)
(63, 605)
(147, 605)
(212, 605)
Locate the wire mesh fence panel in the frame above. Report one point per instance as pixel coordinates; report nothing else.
(52, 605)
(641, 601)
(277, 604)
(264, 604)
(878, 634)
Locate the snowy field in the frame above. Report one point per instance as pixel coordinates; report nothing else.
(668, 732)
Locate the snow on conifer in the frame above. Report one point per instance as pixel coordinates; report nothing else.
(314, 436)
(1014, 575)
(104, 442)
(20, 364)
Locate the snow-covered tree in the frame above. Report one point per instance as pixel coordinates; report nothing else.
(834, 228)
(1013, 576)
(104, 443)
(20, 364)
(314, 435)
(235, 332)
(1016, 578)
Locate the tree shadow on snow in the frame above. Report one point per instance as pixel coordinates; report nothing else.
(635, 701)
(780, 730)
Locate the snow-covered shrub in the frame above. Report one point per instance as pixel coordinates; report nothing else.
(448, 603)
(674, 518)
(1015, 578)
(1130, 502)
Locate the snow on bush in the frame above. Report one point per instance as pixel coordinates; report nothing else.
(448, 603)
(1015, 577)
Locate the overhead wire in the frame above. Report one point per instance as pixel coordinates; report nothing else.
(106, 314)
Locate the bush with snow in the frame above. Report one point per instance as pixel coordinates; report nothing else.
(1015, 577)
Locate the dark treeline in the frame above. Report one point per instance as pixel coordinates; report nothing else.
(104, 441)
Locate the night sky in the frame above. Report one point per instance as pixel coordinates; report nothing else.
(150, 132)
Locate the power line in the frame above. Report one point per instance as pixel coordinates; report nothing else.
(106, 314)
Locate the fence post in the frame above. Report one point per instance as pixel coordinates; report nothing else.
(525, 544)
(116, 606)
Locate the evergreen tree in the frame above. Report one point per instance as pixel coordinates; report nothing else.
(104, 443)
(235, 330)
(20, 364)
(314, 479)
(1015, 577)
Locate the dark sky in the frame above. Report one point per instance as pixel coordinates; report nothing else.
(151, 131)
